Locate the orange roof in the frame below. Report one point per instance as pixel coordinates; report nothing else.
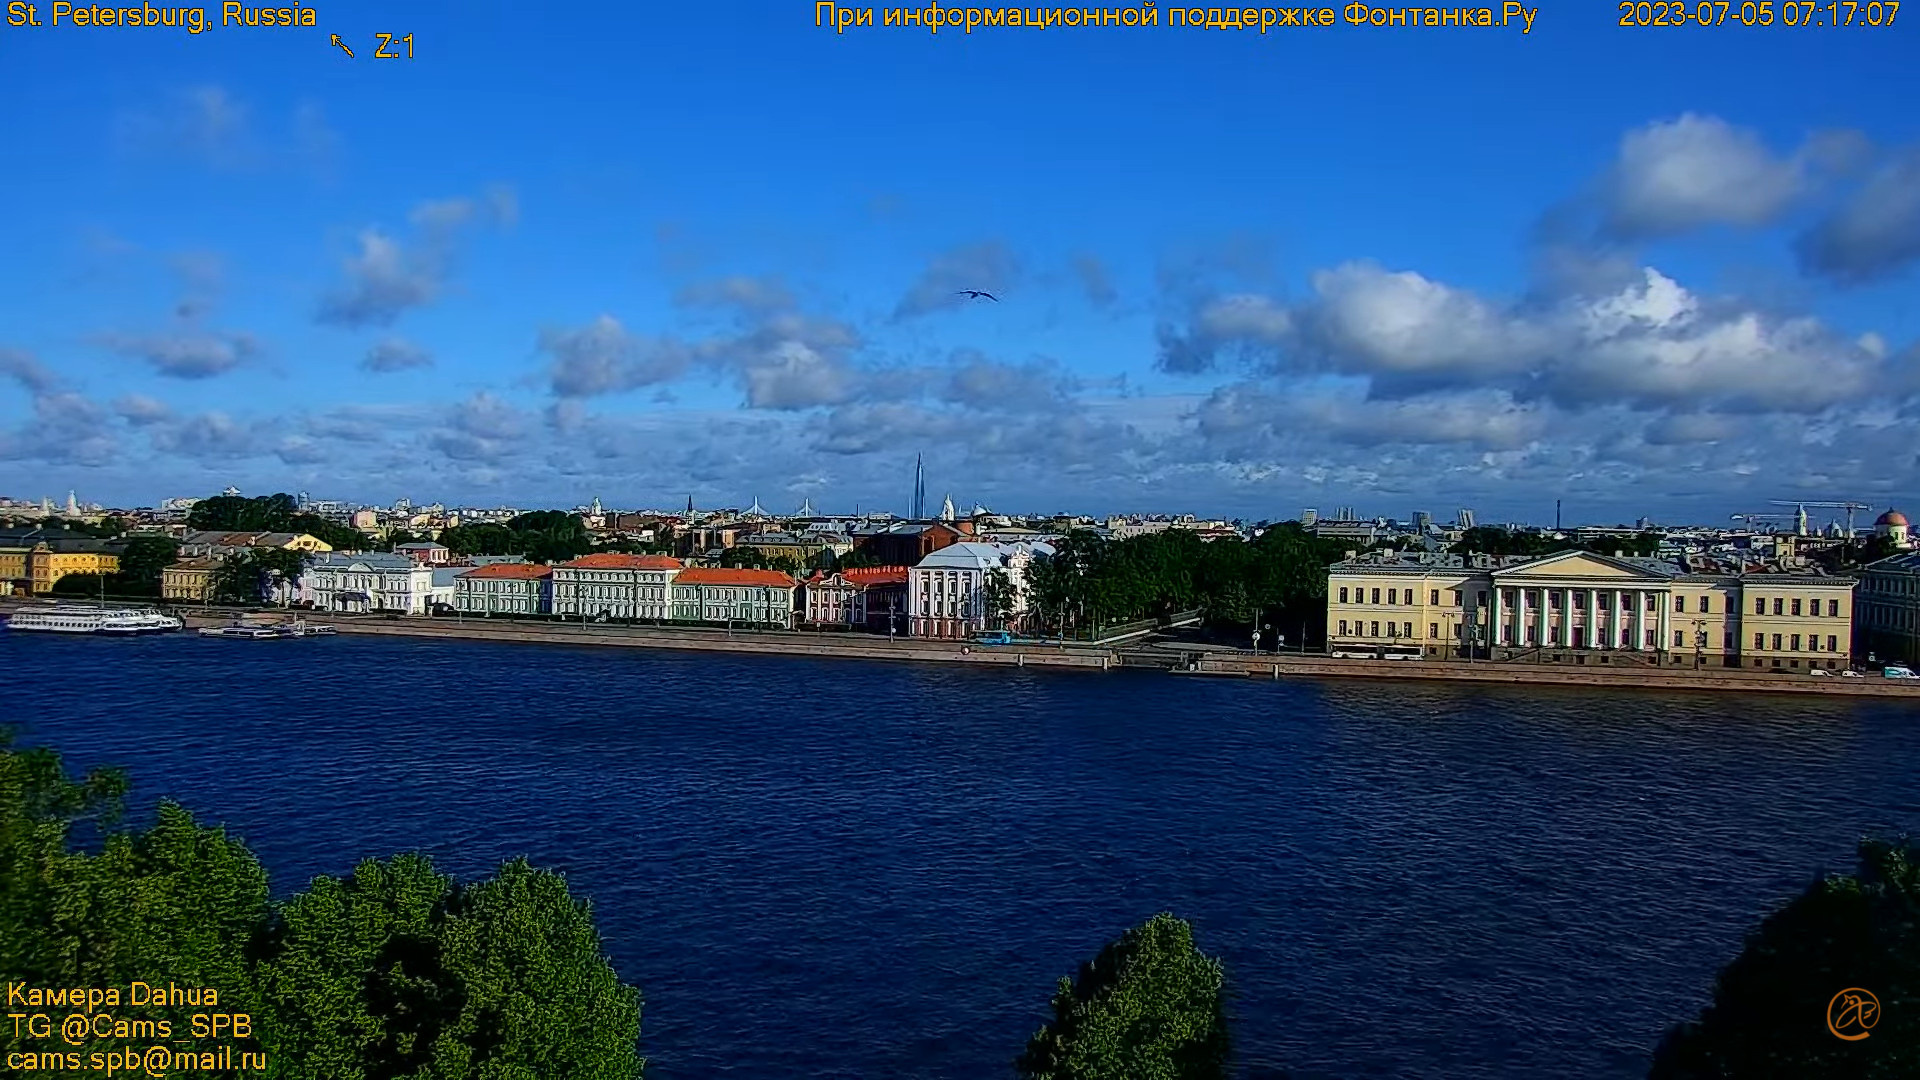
(616, 560)
(526, 571)
(876, 575)
(714, 575)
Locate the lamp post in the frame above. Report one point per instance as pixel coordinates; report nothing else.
(1699, 643)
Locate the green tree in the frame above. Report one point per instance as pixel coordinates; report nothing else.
(252, 576)
(333, 534)
(485, 538)
(144, 561)
(178, 901)
(1768, 1018)
(397, 971)
(265, 513)
(999, 596)
(1149, 1007)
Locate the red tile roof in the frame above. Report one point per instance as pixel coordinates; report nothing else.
(615, 560)
(713, 575)
(522, 571)
(876, 575)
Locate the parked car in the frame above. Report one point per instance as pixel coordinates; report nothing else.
(1898, 671)
(1851, 674)
(1818, 671)
(993, 637)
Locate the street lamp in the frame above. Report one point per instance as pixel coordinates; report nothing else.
(1699, 643)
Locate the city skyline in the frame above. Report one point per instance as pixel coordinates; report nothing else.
(1268, 276)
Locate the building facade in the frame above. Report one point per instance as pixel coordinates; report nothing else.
(1579, 607)
(425, 552)
(719, 595)
(187, 581)
(906, 543)
(372, 582)
(613, 585)
(871, 598)
(1889, 608)
(49, 561)
(505, 588)
(947, 592)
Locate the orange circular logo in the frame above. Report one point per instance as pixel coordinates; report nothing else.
(1852, 1013)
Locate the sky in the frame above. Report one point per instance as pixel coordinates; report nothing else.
(651, 252)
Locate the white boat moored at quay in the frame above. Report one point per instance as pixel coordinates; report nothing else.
(266, 631)
(87, 619)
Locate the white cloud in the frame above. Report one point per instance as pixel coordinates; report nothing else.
(1676, 175)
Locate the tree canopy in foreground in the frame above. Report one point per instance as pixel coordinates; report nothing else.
(1149, 1007)
(1772, 1005)
(396, 971)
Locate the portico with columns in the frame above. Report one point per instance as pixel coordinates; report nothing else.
(1581, 601)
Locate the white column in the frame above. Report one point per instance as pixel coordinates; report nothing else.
(1520, 617)
(1595, 638)
(1493, 615)
(1666, 620)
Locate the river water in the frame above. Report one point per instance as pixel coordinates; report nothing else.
(844, 869)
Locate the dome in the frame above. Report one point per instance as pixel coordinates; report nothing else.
(1891, 517)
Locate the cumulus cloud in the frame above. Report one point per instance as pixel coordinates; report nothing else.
(1876, 232)
(1679, 174)
(208, 436)
(395, 354)
(482, 429)
(1652, 344)
(141, 410)
(64, 429)
(978, 382)
(384, 278)
(604, 358)
(1095, 280)
(29, 373)
(187, 353)
(989, 267)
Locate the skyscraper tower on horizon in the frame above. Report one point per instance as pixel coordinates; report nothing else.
(919, 490)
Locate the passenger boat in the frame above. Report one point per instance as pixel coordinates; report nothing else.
(264, 631)
(82, 619)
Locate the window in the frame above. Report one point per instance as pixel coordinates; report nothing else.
(1759, 641)
(1726, 642)
(1779, 605)
(1343, 628)
(1796, 643)
(1679, 639)
(1376, 630)
(1759, 605)
(1480, 598)
(1796, 605)
(1433, 630)
(1833, 609)
(1456, 598)
(1406, 629)
(1393, 596)
(1679, 604)
(1776, 643)
(1393, 630)
(1376, 596)
(1433, 597)
(1343, 599)
(1653, 601)
(1706, 604)
(1554, 599)
(1833, 643)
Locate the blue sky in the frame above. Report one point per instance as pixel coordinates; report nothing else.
(642, 252)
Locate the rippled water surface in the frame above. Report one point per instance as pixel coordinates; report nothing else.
(843, 869)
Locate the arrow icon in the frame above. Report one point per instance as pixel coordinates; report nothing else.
(342, 46)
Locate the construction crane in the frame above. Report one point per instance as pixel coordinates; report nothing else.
(1749, 519)
(1800, 507)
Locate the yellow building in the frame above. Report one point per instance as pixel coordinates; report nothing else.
(48, 563)
(1578, 607)
(14, 576)
(187, 579)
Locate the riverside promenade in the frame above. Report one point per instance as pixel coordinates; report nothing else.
(1176, 659)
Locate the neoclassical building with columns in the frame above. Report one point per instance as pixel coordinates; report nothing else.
(1577, 607)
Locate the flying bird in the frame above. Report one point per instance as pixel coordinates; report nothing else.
(976, 294)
